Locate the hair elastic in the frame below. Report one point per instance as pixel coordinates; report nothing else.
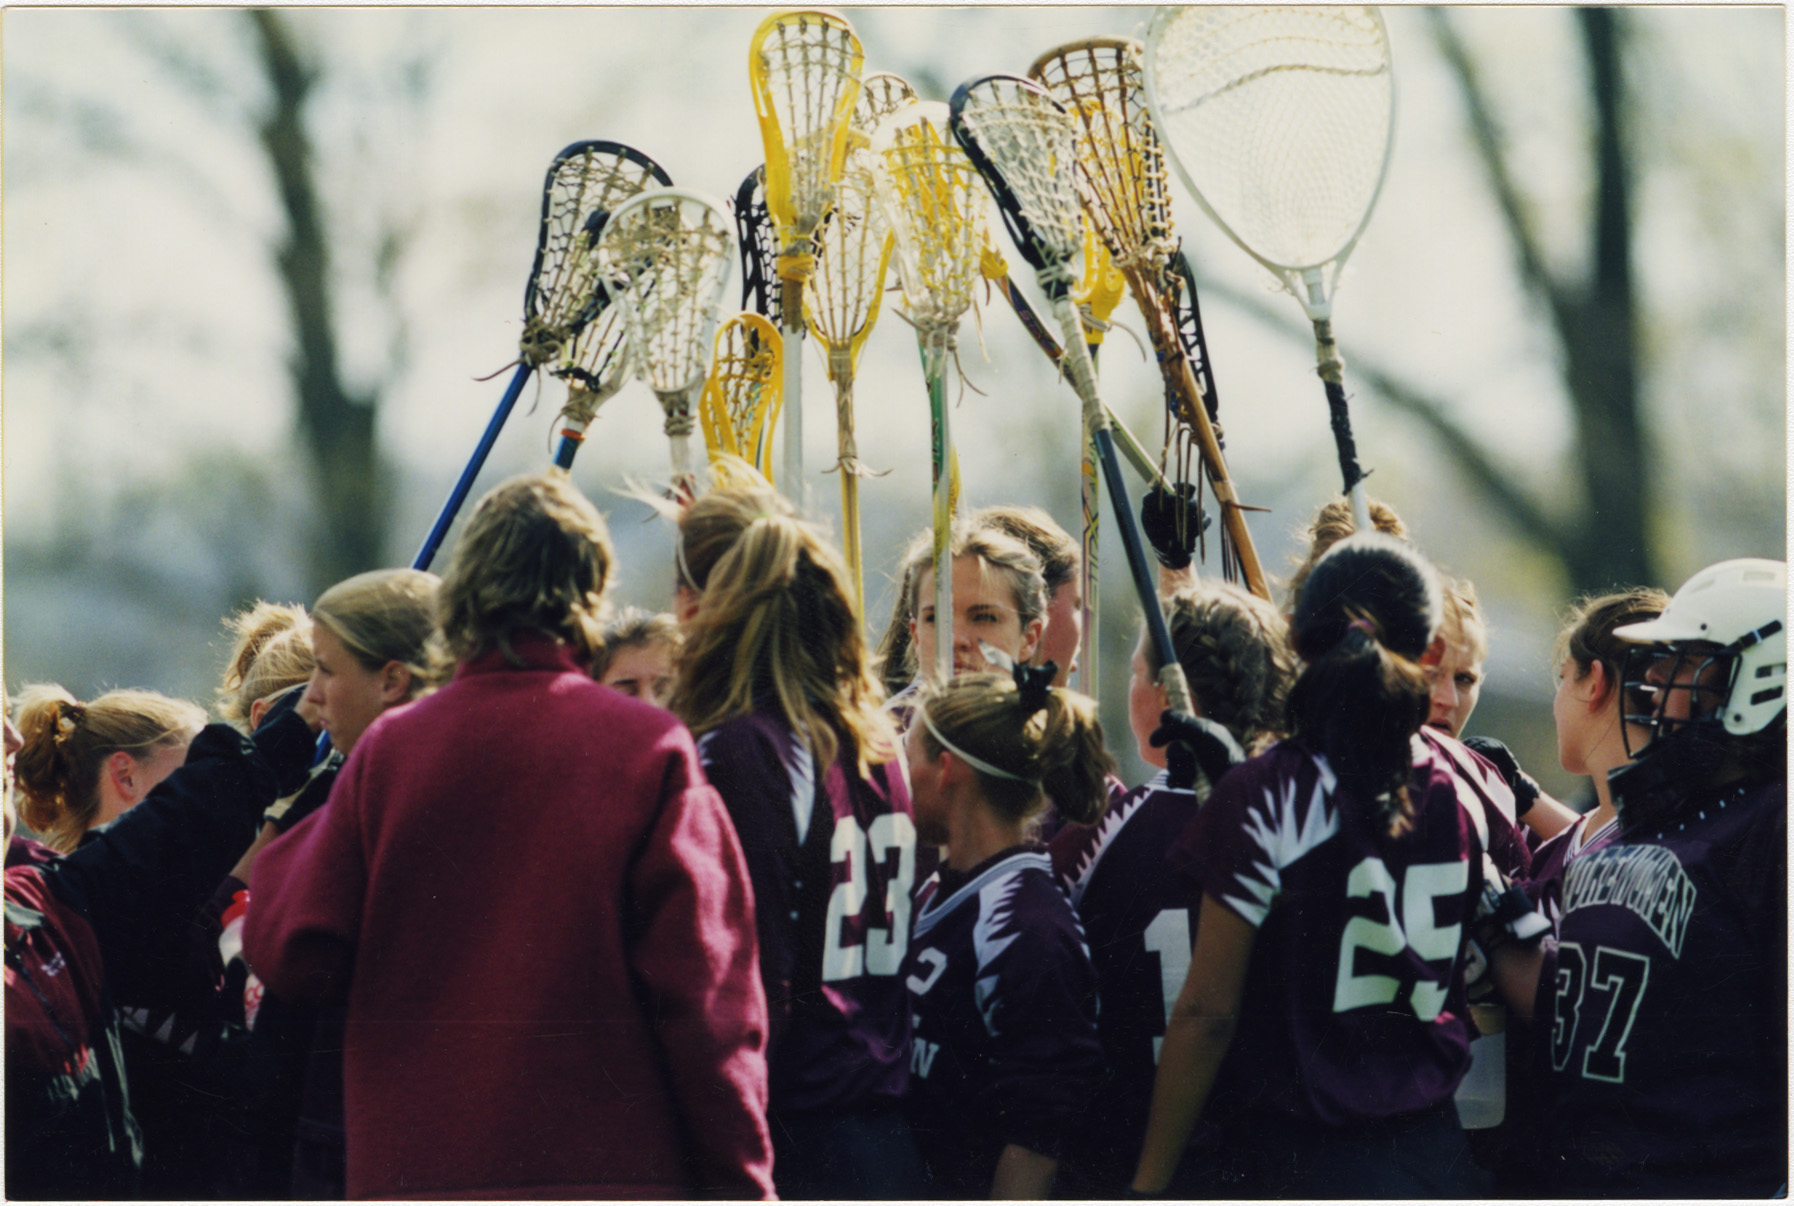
(1032, 684)
(978, 764)
(1361, 624)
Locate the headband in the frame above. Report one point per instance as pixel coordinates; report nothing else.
(978, 764)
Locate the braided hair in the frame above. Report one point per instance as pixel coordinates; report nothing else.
(1235, 652)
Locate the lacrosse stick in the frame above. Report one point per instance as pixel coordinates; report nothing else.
(740, 403)
(596, 367)
(933, 201)
(853, 254)
(666, 255)
(1279, 121)
(1024, 145)
(557, 300)
(759, 245)
(1121, 181)
(804, 67)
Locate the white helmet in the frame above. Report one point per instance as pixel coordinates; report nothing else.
(1731, 616)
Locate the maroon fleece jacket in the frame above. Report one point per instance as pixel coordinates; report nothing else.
(546, 925)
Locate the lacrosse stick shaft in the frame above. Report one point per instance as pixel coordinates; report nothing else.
(1090, 500)
(426, 553)
(1132, 450)
(1083, 379)
(934, 364)
(849, 468)
(1331, 369)
(791, 308)
(1182, 392)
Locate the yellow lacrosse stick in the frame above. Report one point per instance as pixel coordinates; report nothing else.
(740, 406)
(804, 69)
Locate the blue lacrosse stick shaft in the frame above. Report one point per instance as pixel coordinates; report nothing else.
(427, 552)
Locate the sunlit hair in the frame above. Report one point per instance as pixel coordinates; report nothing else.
(775, 627)
(535, 557)
(1235, 651)
(382, 616)
(1462, 623)
(1587, 633)
(1056, 751)
(67, 743)
(635, 628)
(1330, 525)
(1366, 615)
(272, 653)
(1001, 554)
(1056, 548)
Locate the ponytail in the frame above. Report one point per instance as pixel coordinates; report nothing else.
(272, 652)
(1367, 614)
(1022, 743)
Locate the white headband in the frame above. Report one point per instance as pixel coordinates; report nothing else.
(975, 763)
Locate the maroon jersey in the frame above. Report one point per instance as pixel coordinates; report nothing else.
(1666, 1003)
(1139, 917)
(1545, 882)
(1488, 799)
(1353, 1006)
(832, 863)
(1004, 999)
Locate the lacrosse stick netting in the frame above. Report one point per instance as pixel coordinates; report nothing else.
(804, 68)
(1280, 121)
(1122, 182)
(596, 367)
(933, 201)
(666, 256)
(853, 254)
(558, 298)
(1024, 144)
(740, 403)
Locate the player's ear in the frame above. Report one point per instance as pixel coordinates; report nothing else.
(395, 682)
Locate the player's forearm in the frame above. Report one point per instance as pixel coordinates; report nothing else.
(1191, 1056)
(1515, 970)
(1023, 1174)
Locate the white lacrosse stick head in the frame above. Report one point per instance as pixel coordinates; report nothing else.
(934, 201)
(1279, 121)
(666, 256)
(881, 94)
(804, 68)
(1025, 145)
(853, 253)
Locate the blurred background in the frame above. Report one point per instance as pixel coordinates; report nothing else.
(257, 263)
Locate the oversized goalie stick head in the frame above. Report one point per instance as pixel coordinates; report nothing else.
(804, 68)
(665, 256)
(586, 181)
(1279, 122)
(1024, 144)
(741, 399)
(934, 202)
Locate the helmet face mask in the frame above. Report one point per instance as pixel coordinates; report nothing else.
(1672, 686)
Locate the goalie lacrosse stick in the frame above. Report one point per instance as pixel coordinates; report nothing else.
(933, 201)
(804, 67)
(1279, 122)
(1024, 145)
(853, 254)
(665, 256)
(557, 301)
(740, 403)
(1121, 181)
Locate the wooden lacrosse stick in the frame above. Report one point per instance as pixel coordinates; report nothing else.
(557, 301)
(1022, 142)
(1121, 181)
(741, 398)
(804, 68)
(666, 256)
(1279, 121)
(933, 202)
(853, 254)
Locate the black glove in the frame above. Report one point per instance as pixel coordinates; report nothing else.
(1158, 520)
(1191, 742)
(1526, 788)
(286, 741)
